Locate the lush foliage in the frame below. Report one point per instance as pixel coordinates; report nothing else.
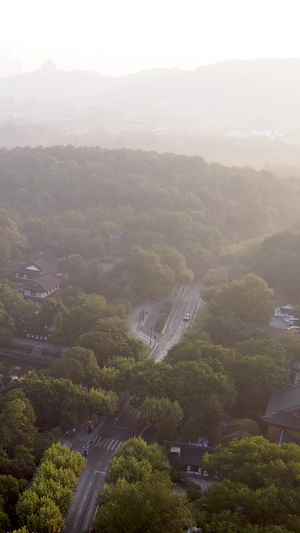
(157, 220)
(278, 261)
(165, 216)
(43, 506)
(259, 491)
(59, 403)
(138, 496)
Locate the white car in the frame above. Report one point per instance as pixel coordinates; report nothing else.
(186, 317)
(293, 327)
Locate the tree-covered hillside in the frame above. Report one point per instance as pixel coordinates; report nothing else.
(178, 200)
(164, 217)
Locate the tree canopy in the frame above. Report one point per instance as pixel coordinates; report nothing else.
(259, 489)
(138, 495)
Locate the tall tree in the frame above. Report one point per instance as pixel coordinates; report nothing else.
(249, 299)
(79, 365)
(136, 447)
(145, 273)
(256, 463)
(163, 415)
(256, 378)
(17, 435)
(233, 507)
(101, 402)
(57, 402)
(135, 507)
(74, 267)
(259, 490)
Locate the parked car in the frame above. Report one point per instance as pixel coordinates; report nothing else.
(288, 318)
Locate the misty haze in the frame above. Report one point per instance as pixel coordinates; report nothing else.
(243, 113)
(149, 267)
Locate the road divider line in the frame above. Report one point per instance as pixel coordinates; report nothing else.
(85, 502)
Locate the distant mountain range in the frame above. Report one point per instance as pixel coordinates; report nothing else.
(233, 99)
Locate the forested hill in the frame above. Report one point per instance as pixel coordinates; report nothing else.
(178, 200)
(49, 181)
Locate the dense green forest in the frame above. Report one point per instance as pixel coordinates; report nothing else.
(99, 203)
(141, 191)
(159, 220)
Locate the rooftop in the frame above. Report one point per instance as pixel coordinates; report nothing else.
(285, 397)
(283, 409)
(45, 282)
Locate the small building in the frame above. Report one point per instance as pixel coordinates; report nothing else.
(283, 415)
(36, 280)
(187, 457)
(41, 287)
(284, 310)
(22, 271)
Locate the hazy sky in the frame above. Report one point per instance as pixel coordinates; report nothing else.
(119, 37)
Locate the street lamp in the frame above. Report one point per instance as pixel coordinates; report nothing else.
(146, 427)
(70, 434)
(150, 339)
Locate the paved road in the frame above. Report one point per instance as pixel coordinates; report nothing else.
(101, 445)
(106, 439)
(186, 299)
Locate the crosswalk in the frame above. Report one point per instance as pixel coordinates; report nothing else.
(106, 442)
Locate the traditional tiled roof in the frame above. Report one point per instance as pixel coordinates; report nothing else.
(283, 409)
(43, 266)
(37, 266)
(190, 454)
(43, 283)
(15, 266)
(284, 419)
(285, 397)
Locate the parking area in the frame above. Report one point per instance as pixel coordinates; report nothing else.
(278, 322)
(287, 323)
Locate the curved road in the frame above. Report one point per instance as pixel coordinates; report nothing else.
(109, 435)
(186, 299)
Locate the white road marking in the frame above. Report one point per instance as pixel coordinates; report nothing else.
(111, 444)
(116, 445)
(106, 442)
